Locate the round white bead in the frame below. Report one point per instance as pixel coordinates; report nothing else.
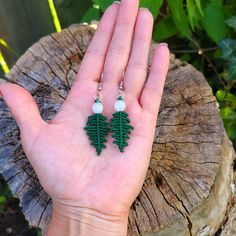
(120, 105)
(97, 107)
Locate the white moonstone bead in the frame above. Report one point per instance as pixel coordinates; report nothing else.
(120, 105)
(97, 107)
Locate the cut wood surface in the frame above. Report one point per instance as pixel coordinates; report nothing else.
(187, 189)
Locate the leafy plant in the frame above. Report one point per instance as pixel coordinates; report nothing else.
(103, 4)
(184, 17)
(225, 97)
(228, 111)
(2, 203)
(38, 233)
(5, 195)
(154, 6)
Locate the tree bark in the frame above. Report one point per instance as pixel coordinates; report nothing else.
(187, 190)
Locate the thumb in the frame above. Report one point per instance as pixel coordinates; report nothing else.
(23, 108)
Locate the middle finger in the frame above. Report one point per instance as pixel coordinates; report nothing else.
(120, 46)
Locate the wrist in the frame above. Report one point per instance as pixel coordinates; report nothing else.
(81, 221)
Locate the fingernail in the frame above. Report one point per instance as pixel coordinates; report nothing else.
(116, 2)
(163, 44)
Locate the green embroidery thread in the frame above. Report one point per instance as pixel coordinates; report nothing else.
(121, 128)
(97, 129)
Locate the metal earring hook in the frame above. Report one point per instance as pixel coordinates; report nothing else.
(120, 93)
(100, 86)
(98, 96)
(121, 85)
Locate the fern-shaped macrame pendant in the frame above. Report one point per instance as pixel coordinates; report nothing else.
(120, 125)
(97, 128)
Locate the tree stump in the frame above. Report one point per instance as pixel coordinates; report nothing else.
(187, 190)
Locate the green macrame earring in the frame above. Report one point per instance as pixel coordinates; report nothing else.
(97, 127)
(120, 122)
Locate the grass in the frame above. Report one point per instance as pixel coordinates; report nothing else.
(54, 15)
(3, 64)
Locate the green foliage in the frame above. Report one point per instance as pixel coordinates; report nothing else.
(154, 6)
(192, 12)
(38, 233)
(2, 203)
(179, 17)
(92, 14)
(227, 103)
(231, 22)
(199, 6)
(213, 22)
(228, 47)
(165, 29)
(120, 128)
(103, 4)
(5, 195)
(226, 99)
(97, 129)
(74, 11)
(185, 17)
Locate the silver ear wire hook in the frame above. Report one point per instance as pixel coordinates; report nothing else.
(98, 96)
(121, 82)
(100, 83)
(100, 86)
(121, 85)
(120, 92)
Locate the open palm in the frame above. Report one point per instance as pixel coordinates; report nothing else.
(61, 154)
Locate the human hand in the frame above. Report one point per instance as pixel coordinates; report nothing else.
(92, 195)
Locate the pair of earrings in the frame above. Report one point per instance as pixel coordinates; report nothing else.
(97, 127)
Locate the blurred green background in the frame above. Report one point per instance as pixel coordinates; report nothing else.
(203, 33)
